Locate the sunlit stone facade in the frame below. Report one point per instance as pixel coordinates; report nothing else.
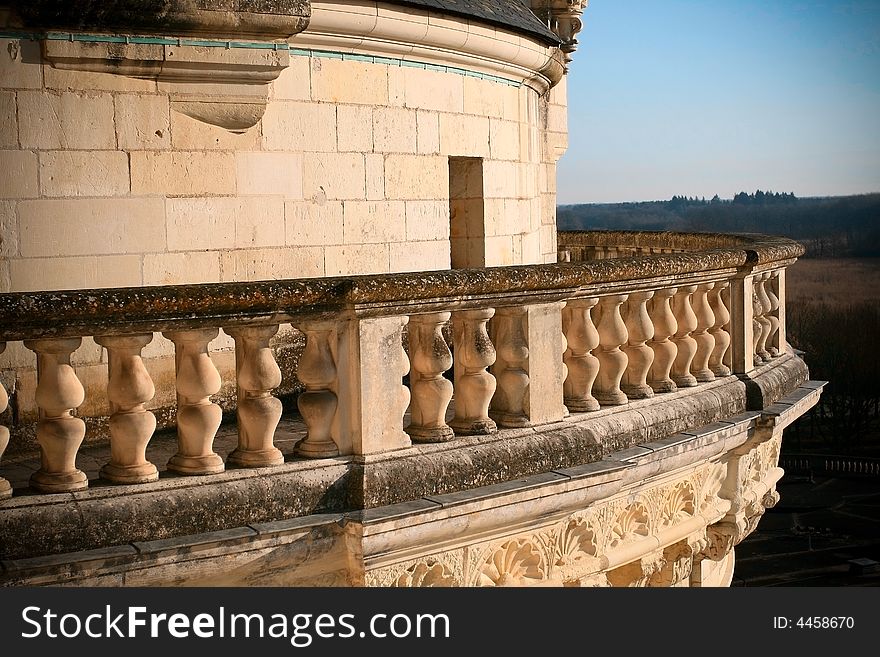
(351, 205)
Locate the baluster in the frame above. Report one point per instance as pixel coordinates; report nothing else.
(431, 392)
(771, 344)
(705, 341)
(129, 388)
(318, 403)
(684, 343)
(664, 349)
(474, 386)
(639, 356)
(582, 338)
(197, 417)
(257, 410)
(5, 486)
(508, 405)
(612, 361)
(722, 337)
(59, 433)
(762, 310)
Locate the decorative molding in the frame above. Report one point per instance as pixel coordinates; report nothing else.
(563, 17)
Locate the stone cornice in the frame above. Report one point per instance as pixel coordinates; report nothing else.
(380, 29)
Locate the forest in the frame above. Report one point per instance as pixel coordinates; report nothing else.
(829, 227)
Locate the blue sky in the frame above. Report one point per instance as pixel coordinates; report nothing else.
(701, 98)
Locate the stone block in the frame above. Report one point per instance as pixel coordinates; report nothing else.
(427, 220)
(181, 268)
(84, 173)
(142, 122)
(182, 173)
(8, 119)
(293, 82)
(333, 176)
(483, 97)
(261, 173)
(500, 179)
(394, 130)
(419, 256)
(366, 222)
(428, 132)
(346, 81)
(190, 134)
(433, 90)
(416, 177)
(272, 264)
(313, 224)
(19, 67)
(464, 135)
(68, 80)
(375, 174)
(354, 128)
(292, 126)
(91, 226)
(504, 140)
(224, 223)
(356, 259)
(82, 121)
(499, 251)
(557, 118)
(61, 273)
(19, 179)
(8, 230)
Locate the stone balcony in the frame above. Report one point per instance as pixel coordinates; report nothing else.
(613, 419)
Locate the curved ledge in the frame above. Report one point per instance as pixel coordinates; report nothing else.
(378, 29)
(124, 310)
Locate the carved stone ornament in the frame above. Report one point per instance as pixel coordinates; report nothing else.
(563, 17)
(214, 58)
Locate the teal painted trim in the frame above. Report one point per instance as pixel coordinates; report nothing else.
(255, 45)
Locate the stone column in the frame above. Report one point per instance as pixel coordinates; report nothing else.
(257, 410)
(372, 397)
(612, 361)
(129, 388)
(639, 356)
(197, 417)
(704, 339)
(5, 486)
(318, 403)
(430, 391)
(664, 349)
(583, 367)
(473, 385)
(59, 433)
(529, 368)
(686, 346)
(742, 345)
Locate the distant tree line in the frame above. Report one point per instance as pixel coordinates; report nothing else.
(839, 226)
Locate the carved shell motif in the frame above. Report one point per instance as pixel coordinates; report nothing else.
(630, 525)
(426, 574)
(680, 503)
(516, 563)
(576, 540)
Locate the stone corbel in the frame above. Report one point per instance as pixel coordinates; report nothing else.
(563, 17)
(638, 573)
(216, 67)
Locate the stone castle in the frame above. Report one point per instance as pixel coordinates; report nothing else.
(283, 302)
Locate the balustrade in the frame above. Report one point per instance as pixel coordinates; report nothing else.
(516, 362)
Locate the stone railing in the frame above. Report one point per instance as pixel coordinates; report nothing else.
(530, 346)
